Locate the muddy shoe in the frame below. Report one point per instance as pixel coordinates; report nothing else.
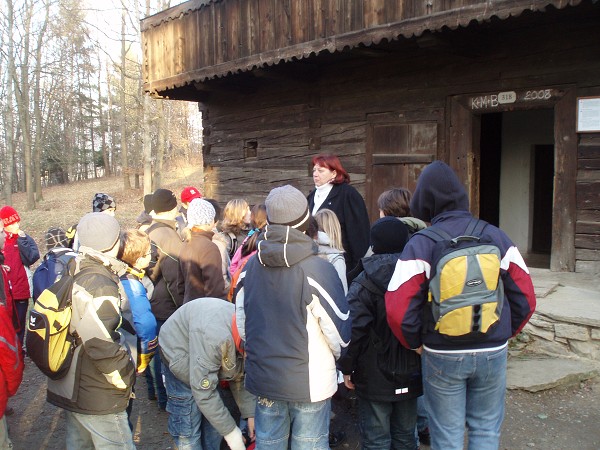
(336, 438)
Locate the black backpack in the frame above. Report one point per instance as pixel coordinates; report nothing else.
(51, 269)
(394, 361)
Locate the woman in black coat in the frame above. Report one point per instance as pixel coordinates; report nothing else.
(333, 191)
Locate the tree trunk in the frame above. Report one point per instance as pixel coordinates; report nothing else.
(103, 122)
(147, 150)
(160, 151)
(37, 149)
(22, 97)
(10, 118)
(124, 162)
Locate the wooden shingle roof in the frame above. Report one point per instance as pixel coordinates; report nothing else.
(200, 40)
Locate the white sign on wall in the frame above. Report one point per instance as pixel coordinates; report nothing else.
(588, 114)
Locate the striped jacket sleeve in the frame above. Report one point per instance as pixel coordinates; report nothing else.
(406, 298)
(518, 289)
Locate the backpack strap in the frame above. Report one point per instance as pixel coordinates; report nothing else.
(476, 227)
(435, 234)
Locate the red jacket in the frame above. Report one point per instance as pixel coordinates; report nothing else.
(7, 297)
(12, 258)
(11, 359)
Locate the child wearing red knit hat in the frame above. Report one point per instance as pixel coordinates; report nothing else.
(20, 252)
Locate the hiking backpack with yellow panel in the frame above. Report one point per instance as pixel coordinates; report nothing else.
(50, 343)
(466, 292)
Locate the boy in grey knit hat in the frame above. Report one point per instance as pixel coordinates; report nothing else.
(292, 313)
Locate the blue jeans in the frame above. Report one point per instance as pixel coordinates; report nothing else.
(294, 425)
(154, 374)
(387, 425)
(422, 420)
(21, 307)
(187, 426)
(465, 388)
(100, 432)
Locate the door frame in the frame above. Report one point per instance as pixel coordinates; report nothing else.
(462, 153)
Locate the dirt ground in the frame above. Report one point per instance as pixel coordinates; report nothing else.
(564, 418)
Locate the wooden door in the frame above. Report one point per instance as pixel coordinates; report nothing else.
(396, 154)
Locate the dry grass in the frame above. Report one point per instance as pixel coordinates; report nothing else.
(64, 205)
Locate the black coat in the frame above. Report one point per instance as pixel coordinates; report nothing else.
(350, 209)
(369, 324)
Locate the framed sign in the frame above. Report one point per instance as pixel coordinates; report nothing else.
(588, 114)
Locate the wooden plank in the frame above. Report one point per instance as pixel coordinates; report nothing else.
(403, 159)
(233, 29)
(565, 170)
(587, 266)
(587, 227)
(588, 241)
(587, 255)
(266, 24)
(281, 23)
(588, 215)
(588, 195)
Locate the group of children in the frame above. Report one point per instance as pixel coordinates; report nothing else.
(188, 348)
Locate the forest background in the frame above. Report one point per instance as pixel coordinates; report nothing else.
(72, 106)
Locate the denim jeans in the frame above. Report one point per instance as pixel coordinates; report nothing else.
(189, 429)
(465, 389)
(294, 425)
(422, 420)
(100, 432)
(21, 307)
(387, 425)
(154, 374)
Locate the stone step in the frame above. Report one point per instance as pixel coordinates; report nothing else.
(537, 373)
(566, 321)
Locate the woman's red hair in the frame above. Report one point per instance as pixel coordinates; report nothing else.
(332, 162)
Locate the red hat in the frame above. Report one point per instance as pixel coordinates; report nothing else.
(189, 193)
(9, 215)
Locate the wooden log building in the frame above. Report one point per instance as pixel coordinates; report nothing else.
(506, 91)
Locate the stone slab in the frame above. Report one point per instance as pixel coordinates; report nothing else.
(572, 305)
(535, 374)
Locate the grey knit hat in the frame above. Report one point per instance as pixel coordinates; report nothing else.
(286, 205)
(98, 231)
(102, 202)
(200, 212)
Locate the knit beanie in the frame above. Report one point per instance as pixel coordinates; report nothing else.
(189, 193)
(9, 215)
(98, 231)
(286, 205)
(102, 202)
(388, 235)
(438, 190)
(56, 237)
(200, 212)
(163, 200)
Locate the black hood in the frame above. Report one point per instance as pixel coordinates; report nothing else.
(380, 268)
(438, 190)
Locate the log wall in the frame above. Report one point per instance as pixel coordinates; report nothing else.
(261, 129)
